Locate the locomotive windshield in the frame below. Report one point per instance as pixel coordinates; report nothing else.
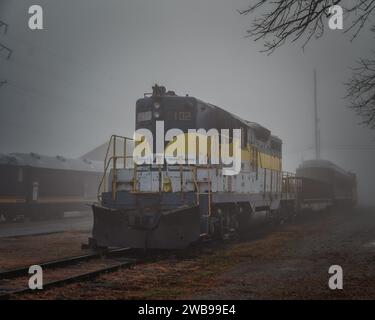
(144, 116)
(176, 112)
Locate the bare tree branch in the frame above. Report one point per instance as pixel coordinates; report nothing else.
(277, 21)
(361, 91)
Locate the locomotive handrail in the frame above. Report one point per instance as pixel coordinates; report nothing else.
(209, 192)
(114, 159)
(114, 174)
(107, 161)
(194, 174)
(288, 182)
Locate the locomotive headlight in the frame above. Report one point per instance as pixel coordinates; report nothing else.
(156, 114)
(157, 105)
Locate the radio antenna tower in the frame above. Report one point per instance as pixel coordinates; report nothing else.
(316, 121)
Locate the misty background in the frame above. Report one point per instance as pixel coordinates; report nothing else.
(73, 84)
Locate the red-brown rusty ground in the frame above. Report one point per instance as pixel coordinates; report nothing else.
(289, 262)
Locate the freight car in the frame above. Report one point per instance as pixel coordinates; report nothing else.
(170, 205)
(325, 183)
(40, 187)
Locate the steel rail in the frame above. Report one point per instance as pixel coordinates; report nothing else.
(24, 271)
(69, 280)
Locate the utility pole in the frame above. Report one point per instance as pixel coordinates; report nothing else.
(316, 121)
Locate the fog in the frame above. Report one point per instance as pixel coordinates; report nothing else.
(73, 84)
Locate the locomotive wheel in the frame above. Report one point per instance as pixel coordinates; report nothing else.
(59, 214)
(276, 218)
(244, 220)
(34, 217)
(2, 218)
(9, 216)
(38, 214)
(217, 225)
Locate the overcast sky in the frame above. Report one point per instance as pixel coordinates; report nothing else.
(75, 83)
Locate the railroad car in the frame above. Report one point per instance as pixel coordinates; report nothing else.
(326, 185)
(41, 187)
(171, 206)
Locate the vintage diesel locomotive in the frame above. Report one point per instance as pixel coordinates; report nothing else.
(41, 187)
(171, 205)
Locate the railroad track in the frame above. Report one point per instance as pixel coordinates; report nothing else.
(113, 260)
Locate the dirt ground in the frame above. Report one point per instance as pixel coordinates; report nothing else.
(297, 268)
(284, 262)
(28, 250)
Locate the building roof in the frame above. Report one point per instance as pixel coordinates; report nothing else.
(60, 163)
(99, 153)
